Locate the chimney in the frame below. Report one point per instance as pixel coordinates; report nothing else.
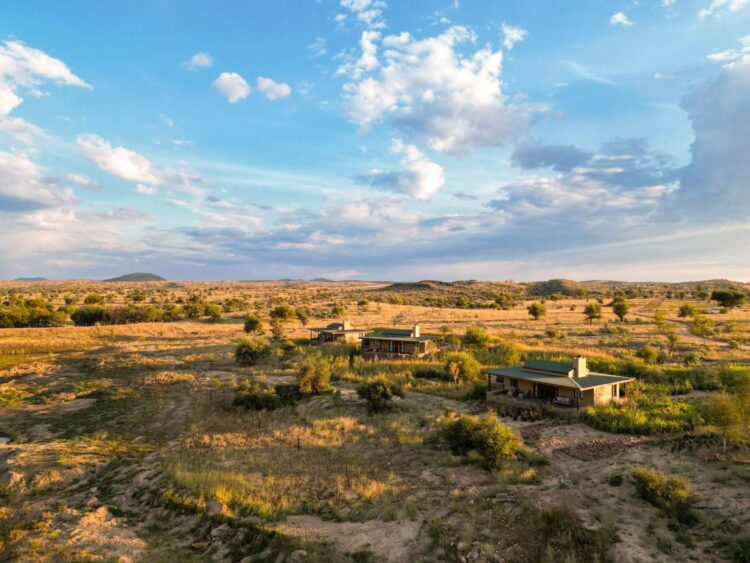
(579, 367)
(415, 331)
(347, 325)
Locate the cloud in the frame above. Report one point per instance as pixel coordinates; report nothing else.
(145, 190)
(199, 61)
(232, 86)
(714, 185)
(122, 162)
(318, 47)
(559, 157)
(20, 129)
(23, 187)
(512, 35)
(721, 7)
(367, 12)
(273, 90)
(731, 56)
(81, 180)
(426, 87)
(620, 19)
(420, 178)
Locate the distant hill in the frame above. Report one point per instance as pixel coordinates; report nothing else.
(137, 277)
(30, 279)
(567, 288)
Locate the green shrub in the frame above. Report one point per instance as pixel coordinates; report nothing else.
(251, 351)
(314, 374)
(257, 396)
(653, 416)
(476, 337)
(485, 440)
(671, 494)
(738, 548)
(253, 324)
(378, 392)
(461, 367)
(89, 315)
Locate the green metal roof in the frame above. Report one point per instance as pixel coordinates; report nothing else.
(407, 338)
(588, 382)
(544, 365)
(396, 332)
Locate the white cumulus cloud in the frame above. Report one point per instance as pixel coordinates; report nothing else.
(119, 161)
(199, 61)
(232, 86)
(721, 7)
(367, 12)
(620, 19)
(273, 90)
(512, 35)
(428, 87)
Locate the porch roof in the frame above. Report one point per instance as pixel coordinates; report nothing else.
(394, 338)
(589, 382)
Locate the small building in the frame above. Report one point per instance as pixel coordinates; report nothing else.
(562, 383)
(399, 343)
(337, 332)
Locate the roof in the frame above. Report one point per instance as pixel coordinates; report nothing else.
(406, 338)
(588, 382)
(337, 328)
(563, 368)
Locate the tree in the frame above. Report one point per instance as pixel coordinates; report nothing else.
(93, 299)
(250, 351)
(672, 339)
(620, 308)
(593, 311)
(284, 312)
(213, 311)
(461, 367)
(476, 337)
(537, 310)
(724, 412)
(378, 392)
(686, 311)
(635, 391)
(89, 315)
(660, 319)
(702, 326)
(253, 324)
(277, 329)
(313, 375)
(729, 298)
(303, 316)
(648, 354)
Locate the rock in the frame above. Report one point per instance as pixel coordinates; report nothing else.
(199, 546)
(214, 507)
(297, 556)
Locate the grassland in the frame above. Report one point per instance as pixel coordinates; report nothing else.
(124, 442)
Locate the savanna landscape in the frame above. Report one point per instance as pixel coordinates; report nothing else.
(187, 421)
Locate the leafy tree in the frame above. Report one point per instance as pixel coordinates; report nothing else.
(702, 326)
(592, 312)
(537, 310)
(338, 310)
(461, 367)
(313, 375)
(724, 412)
(250, 351)
(284, 312)
(89, 315)
(378, 392)
(648, 354)
(277, 328)
(213, 311)
(672, 340)
(253, 324)
(686, 311)
(660, 320)
(485, 439)
(621, 308)
(476, 337)
(93, 299)
(729, 298)
(303, 316)
(635, 391)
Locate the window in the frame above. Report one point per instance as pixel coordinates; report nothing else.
(514, 383)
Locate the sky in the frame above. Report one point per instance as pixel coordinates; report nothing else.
(374, 139)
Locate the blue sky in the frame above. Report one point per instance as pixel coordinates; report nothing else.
(365, 139)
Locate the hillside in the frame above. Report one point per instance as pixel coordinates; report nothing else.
(137, 277)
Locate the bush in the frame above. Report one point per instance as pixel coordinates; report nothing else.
(257, 396)
(671, 494)
(653, 416)
(253, 324)
(250, 351)
(476, 337)
(648, 354)
(378, 392)
(284, 312)
(89, 316)
(314, 374)
(485, 440)
(461, 367)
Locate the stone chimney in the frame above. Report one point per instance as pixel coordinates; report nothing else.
(579, 367)
(415, 331)
(347, 325)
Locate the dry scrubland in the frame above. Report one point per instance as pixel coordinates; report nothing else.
(125, 444)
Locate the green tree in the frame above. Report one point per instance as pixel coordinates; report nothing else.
(253, 324)
(537, 310)
(702, 327)
(378, 392)
(621, 308)
(213, 311)
(303, 316)
(461, 367)
(724, 412)
(89, 315)
(672, 340)
(592, 312)
(476, 337)
(313, 375)
(648, 354)
(250, 351)
(277, 328)
(729, 298)
(635, 391)
(686, 311)
(285, 312)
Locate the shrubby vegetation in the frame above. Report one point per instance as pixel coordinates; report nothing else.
(484, 440)
(378, 392)
(461, 367)
(670, 494)
(652, 416)
(250, 351)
